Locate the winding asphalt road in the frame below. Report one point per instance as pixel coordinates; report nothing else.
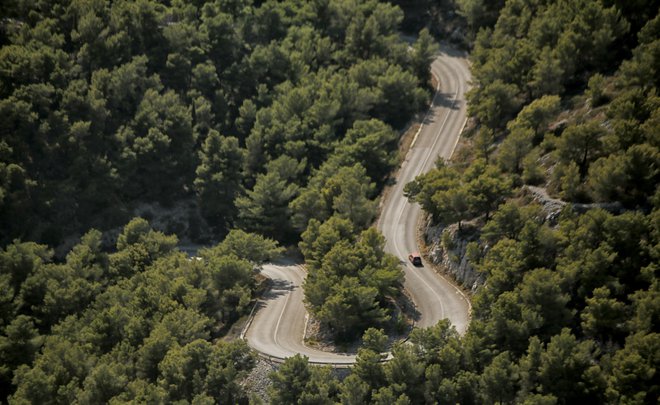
(280, 319)
(434, 297)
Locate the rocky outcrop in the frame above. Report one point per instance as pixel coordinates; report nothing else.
(449, 252)
(552, 206)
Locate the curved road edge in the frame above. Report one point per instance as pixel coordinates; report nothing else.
(282, 320)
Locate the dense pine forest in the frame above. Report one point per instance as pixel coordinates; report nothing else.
(241, 112)
(565, 106)
(277, 123)
(106, 104)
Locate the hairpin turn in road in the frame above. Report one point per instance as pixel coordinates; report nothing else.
(280, 319)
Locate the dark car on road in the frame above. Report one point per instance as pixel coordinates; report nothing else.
(415, 259)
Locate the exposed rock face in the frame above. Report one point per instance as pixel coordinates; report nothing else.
(450, 251)
(453, 258)
(257, 382)
(553, 206)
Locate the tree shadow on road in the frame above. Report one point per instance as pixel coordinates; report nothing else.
(277, 289)
(452, 50)
(444, 100)
(408, 309)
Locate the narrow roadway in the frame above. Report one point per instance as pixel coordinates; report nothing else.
(434, 297)
(280, 318)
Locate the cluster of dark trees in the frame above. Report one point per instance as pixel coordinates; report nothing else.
(234, 104)
(596, 60)
(453, 196)
(565, 99)
(139, 324)
(569, 314)
(277, 117)
(266, 115)
(578, 65)
(350, 278)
